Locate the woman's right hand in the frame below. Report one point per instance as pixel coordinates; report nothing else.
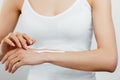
(15, 40)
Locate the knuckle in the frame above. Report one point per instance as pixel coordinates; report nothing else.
(24, 34)
(9, 59)
(12, 35)
(5, 40)
(24, 41)
(18, 34)
(12, 62)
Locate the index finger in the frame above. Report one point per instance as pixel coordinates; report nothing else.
(7, 55)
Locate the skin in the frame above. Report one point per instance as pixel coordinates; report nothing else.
(104, 58)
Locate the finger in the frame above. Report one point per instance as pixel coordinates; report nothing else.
(15, 39)
(9, 60)
(8, 41)
(22, 41)
(16, 66)
(33, 41)
(12, 62)
(7, 55)
(29, 40)
(6, 65)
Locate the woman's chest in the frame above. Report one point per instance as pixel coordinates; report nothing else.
(51, 7)
(73, 23)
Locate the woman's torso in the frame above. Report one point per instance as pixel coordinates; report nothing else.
(71, 29)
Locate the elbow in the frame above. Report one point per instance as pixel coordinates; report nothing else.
(111, 63)
(108, 60)
(111, 68)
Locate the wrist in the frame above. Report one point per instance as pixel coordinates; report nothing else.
(51, 56)
(46, 56)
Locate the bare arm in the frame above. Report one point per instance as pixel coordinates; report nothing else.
(9, 14)
(104, 58)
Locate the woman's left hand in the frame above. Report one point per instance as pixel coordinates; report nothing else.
(18, 57)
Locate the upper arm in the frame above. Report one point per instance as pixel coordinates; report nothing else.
(9, 14)
(103, 25)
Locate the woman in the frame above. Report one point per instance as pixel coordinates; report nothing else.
(61, 31)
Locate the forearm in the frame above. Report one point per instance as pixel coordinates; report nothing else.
(85, 60)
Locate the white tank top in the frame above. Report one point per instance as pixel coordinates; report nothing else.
(69, 30)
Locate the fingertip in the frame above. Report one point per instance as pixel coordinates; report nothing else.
(5, 68)
(25, 47)
(19, 45)
(34, 41)
(2, 61)
(12, 73)
(13, 44)
(30, 41)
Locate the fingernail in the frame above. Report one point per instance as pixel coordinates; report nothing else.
(30, 42)
(13, 44)
(20, 45)
(5, 69)
(25, 46)
(1, 62)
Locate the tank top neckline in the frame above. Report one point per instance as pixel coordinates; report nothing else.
(50, 17)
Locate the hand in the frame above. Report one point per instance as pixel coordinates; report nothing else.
(16, 58)
(15, 40)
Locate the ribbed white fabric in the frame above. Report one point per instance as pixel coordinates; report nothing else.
(69, 30)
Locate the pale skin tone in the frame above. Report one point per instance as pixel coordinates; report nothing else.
(104, 58)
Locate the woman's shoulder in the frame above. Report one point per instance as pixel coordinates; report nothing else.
(90, 2)
(13, 4)
(98, 3)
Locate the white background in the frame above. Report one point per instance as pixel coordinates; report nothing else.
(21, 74)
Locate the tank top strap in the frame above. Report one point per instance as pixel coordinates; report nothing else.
(86, 3)
(25, 5)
